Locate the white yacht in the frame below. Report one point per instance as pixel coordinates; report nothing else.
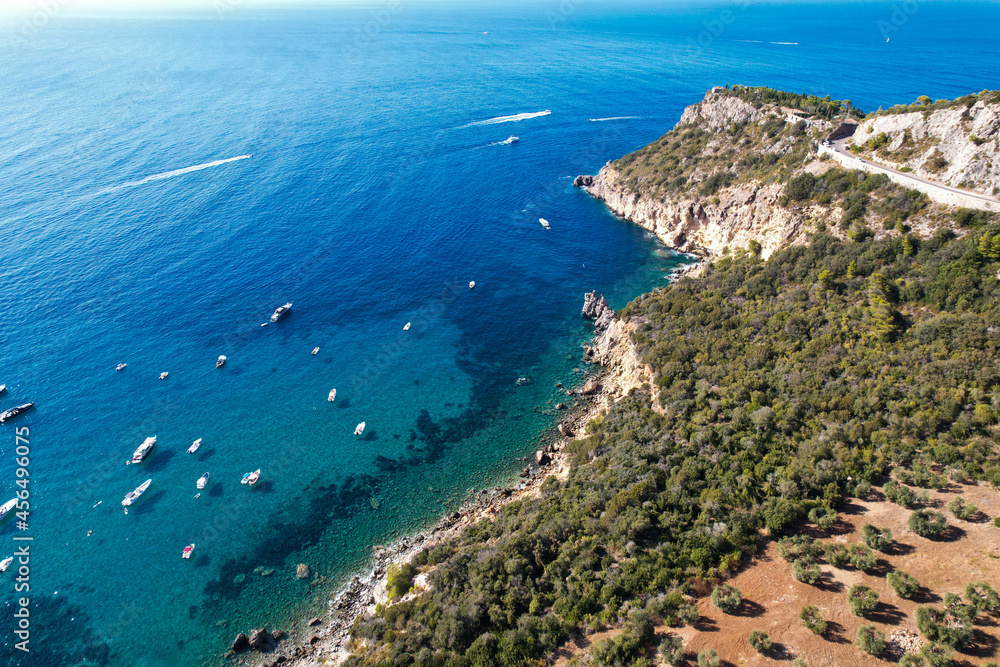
(143, 449)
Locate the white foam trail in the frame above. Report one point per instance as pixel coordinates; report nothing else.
(507, 119)
(175, 172)
(786, 43)
(602, 120)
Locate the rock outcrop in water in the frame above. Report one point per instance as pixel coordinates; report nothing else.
(595, 307)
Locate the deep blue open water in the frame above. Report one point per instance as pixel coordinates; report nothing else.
(375, 190)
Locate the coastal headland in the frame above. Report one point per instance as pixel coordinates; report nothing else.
(822, 389)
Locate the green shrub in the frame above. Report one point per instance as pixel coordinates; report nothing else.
(671, 649)
(911, 660)
(813, 619)
(824, 517)
(862, 600)
(862, 557)
(726, 598)
(902, 584)
(877, 538)
(983, 596)
(399, 579)
(800, 662)
(760, 641)
(870, 639)
(708, 658)
(959, 608)
(937, 655)
(899, 493)
(837, 555)
(928, 524)
(943, 627)
(961, 509)
(793, 547)
(806, 570)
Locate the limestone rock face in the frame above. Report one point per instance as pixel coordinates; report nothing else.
(967, 137)
(744, 212)
(596, 308)
(584, 181)
(721, 112)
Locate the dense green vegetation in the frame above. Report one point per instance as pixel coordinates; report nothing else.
(777, 392)
(811, 105)
(926, 104)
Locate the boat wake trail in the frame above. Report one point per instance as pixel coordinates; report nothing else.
(176, 172)
(603, 120)
(507, 119)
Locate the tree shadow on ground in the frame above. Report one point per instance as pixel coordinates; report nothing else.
(749, 609)
(950, 534)
(780, 652)
(925, 596)
(828, 583)
(706, 624)
(900, 549)
(887, 614)
(982, 645)
(835, 633)
(852, 509)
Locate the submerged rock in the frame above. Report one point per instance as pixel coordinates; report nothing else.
(277, 635)
(301, 571)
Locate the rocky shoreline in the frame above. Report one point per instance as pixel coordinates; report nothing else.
(325, 641)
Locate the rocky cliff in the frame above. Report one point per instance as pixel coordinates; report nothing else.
(957, 146)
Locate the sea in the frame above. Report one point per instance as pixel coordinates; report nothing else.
(169, 177)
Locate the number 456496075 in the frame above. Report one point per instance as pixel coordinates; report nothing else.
(23, 450)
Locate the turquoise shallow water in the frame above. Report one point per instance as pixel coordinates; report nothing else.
(377, 188)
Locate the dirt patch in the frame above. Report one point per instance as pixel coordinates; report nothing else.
(773, 598)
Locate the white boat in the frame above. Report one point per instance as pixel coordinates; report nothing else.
(281, 311)
(187, 551)
(472, 284)
(163, 375)
(221, 361)
(134, 495)
(5, 563)
(360, 429)
(143, 450)
(194, 446)
(120, 367)
(7, 506)
(315, 350)
(406, 327)
(333, 395)
(202, 481)
(13, 412)
(3, 388)
(511, 140)
(251, 477)
(545, 223)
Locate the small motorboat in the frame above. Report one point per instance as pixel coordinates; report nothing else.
(13, 412)
(406, 327)
(7, 506)
(187, 551)
(545, 223)
(120, 367)
(221, 361)
(251, 477)
(5, 563)
(359, 429)
(143, 450)
(510, 140)
(134, 495)
(3, 388)
(163, 375)
(194, 446)
(315, 350)
(202, 481)
(281, 311)
(264, 324)
(332, 396)
(472, 284)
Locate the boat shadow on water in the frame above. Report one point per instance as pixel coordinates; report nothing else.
(215, 491)
(158, 461)
(370, 436)
(267, 486)
(344, 403)
(202, 455)
(202, 561)
(148, 502)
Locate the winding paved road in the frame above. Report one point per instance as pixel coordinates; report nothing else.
(972, 199)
